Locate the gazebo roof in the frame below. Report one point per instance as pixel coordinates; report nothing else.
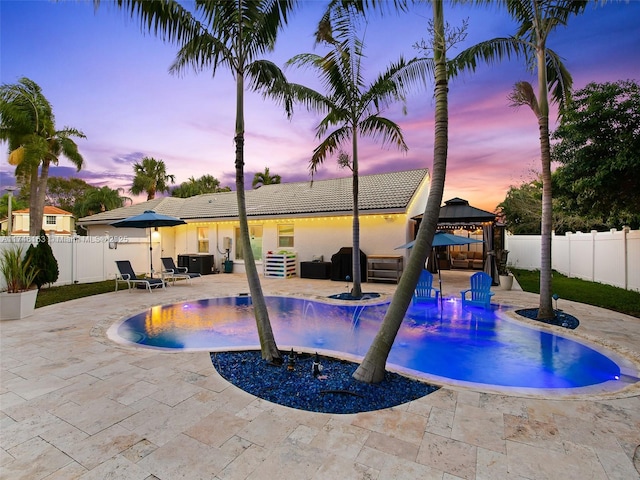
(457, 213)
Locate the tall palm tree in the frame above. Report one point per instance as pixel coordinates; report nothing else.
(372, 367)
(232, 34)
(265, 178)
(151, 177)
(537, 19)
(350, 106)
(27, 123)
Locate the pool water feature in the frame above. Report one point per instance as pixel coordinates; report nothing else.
(451, 344)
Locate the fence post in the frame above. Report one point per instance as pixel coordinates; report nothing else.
(569, 236)
(625, 231)
(593, 255)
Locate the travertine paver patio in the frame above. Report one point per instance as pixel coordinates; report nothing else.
(73, 404)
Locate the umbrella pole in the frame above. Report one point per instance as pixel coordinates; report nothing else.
(150, 253)
(439, 283)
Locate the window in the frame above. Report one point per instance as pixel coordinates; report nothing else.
(51, 220)
(255, 235)
(285, 236)
(203, 240)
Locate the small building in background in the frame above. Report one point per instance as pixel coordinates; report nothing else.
(55, 220)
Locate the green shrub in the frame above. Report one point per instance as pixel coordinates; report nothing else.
(44, 260)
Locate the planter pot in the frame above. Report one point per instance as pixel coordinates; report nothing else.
(506, 282)
(14, 306)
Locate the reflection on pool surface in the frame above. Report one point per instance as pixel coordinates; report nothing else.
(450, 343)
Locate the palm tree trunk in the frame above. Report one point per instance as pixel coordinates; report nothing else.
(357, 277)
(38, 196)
(545, 309)
(34, 229)
(268, 346)
(372, 368)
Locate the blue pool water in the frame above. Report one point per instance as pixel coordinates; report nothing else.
(450, 343)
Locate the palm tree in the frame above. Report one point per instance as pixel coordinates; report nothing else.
(151, 177)
(265, 178)
(27, 123)
(350, 105)
(204, 184)
(372, 367)
(233, 34)
(537, 19)
(101, 199)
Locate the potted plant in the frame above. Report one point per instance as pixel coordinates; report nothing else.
(506, 279)
(19, 299)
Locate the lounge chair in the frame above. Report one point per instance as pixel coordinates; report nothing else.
(424, 290)
(171, 272)
(480, 292)
(126, 274)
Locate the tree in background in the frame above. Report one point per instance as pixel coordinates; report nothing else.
(349, 105)
(200, 186)
(42, 258)
(65, 193)
(16, 204)
(150, 177)
(27, 124)
(520, 211)
(101, 199)
(599, 149)
(265, 178)
(536, 20)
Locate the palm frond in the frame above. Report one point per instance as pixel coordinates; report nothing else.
(328, 146)
(384, 129)
(204, 52)
(388, 87)
(266, 77)
(167, 19)
(310, 99)
(491, 52)
(69, 149)
(355, 8)
(334, 117)
(559, 80)
(416, 72)
(523, 94)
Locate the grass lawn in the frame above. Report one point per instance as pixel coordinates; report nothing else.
(49, 296)
(591, 293)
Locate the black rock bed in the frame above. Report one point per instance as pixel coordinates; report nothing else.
(334, 390)
(561, 319)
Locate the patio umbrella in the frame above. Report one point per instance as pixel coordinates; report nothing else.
(149, 219)
(443, 239)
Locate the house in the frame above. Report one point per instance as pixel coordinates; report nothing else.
(55, 220)
(311, 219)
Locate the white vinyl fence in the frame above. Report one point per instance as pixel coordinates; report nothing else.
(612, 257)
(89, 259)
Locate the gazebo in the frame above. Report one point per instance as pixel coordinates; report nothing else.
(457, 214)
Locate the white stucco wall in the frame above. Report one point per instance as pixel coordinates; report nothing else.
(379, 235)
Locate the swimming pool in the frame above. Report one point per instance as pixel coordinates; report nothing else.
(469, 346)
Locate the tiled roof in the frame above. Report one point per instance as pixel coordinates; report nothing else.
(383, 192)
(48, 210)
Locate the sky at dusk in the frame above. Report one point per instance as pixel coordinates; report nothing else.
(107, 78)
